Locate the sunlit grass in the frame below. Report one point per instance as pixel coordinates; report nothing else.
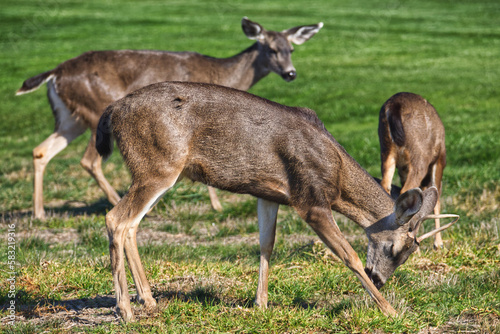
(203, 265)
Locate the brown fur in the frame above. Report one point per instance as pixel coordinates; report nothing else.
(412, 139)
(88, 83)
(239, 142)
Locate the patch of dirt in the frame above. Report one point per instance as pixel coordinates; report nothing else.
(51, 236)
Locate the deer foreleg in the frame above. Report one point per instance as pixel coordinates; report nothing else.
(438, 241)
(437, 176)
(321, 220)
(267, 213)
(214, 200)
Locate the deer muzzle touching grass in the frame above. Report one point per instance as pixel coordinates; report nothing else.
(239, 142)
(412, 139)
(81, 88)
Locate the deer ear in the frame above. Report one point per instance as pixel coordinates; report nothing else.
(407, 205)
(302, 34)
(431, 196)
(252, 30)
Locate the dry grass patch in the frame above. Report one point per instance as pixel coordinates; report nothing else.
(487, 202)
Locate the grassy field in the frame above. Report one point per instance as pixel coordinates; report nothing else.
(203, 266)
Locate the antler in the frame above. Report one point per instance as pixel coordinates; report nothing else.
(444, 227)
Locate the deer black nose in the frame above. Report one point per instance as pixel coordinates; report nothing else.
(374, 277)
(290, 76)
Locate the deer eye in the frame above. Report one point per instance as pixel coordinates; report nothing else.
(390, 250)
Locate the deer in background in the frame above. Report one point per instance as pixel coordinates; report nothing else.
(233, 140)
(79, 89)
(411, 137)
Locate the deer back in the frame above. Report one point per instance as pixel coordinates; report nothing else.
(93, 80)
(232, 140)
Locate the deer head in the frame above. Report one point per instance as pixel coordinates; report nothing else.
(390, 247)
(277, 46)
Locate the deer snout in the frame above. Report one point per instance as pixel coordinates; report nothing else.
(375, 278)
(289, 76)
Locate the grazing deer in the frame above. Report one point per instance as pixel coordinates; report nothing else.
(80, 89)
(236, 141)
(411, 137)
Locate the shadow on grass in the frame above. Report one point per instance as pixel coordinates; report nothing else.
(66, 209)
(45, 307)
(99, 207)
(206, 296)
(78, 310)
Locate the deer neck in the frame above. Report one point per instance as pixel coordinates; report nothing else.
(246, 68)
(361, 198)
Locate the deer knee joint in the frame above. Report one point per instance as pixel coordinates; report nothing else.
(89, 166)
(39, 153)
(111, 224)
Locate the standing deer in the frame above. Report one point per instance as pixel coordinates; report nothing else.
(79, 89)
(411, 137)
(236, 141)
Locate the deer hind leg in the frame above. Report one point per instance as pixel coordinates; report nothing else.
(322, 222)
(122, 223)
(91, 162)
(437, 176)
(214, 200)
(267, 213)
(144, 295)
(67, 129)
(412, 176)
(388, 168)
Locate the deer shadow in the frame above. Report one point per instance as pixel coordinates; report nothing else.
(207, 296)
(33, 308)
(99, 207)
(65, 210)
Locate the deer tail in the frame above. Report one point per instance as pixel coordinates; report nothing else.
(35, 82)
(104, 134)
(396, 124)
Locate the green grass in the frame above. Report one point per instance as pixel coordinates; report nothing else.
(202, 265)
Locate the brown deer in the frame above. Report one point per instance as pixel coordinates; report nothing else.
(411, 137)
(232, 140)
(79, 89)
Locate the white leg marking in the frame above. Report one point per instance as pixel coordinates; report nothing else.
(267, 213)
(67, 129)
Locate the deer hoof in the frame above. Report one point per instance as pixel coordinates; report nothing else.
(39, 214)
(151, 305)
(438, 246)
(125, 315)
(260, 303)
(216, 206)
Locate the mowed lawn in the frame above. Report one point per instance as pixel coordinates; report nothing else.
(203, 265)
